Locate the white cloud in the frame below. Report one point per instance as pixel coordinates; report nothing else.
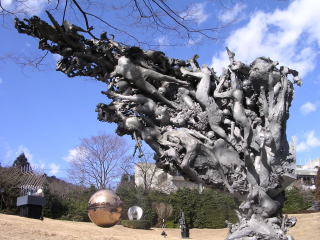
(30, 7)
(26, 151)
(33, 7)
(307, 108)
(42, 166)
(36, 164)
(75, 154)
(54, 168)
(6, 3)
(311, 141)
(301, 147)
(232, 14)
(1, 80)
(9, 154)
(163, 41)
(194, 41)
(196, 12)
(290, 36)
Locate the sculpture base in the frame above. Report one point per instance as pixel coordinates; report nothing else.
(185, 234)
(30, 206)
(31, 211)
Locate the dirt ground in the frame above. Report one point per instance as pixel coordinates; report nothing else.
(19, 228)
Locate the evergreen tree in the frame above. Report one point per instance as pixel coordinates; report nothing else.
(22, 163)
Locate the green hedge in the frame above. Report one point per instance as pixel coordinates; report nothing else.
(135, 196)
(137, 224)
(72, 206)
(171, 224)
(297, 200)
(209, 209)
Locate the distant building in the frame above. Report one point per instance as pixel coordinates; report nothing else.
(147, 175)
(307, 173)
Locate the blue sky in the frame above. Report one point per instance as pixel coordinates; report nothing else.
(44, 113)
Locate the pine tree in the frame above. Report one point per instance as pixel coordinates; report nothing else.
(22, 163)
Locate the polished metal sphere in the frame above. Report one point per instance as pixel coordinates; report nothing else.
(135, 213)
(104, 208)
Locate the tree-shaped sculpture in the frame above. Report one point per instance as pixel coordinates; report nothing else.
(227, 130)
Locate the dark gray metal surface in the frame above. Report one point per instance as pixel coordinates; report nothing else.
(227, 130)
(30, 200)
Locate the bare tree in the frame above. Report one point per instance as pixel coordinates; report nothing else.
(100, 161)
(118, 17)
(145, 172)
(133, 22)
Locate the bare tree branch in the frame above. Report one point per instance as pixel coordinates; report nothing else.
(100, 161)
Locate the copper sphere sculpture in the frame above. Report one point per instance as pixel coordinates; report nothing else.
(104, 208)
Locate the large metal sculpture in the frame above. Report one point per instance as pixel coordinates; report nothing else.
(104, 208)
(227, 130)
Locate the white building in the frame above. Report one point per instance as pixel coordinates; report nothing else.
(307, 173)
(147, 175)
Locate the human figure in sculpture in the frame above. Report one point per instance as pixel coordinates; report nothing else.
(151, 135)
(138, 77)
(145, 105)
(215, 115)
(185, 96)
(238, 110)
(221, 158)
